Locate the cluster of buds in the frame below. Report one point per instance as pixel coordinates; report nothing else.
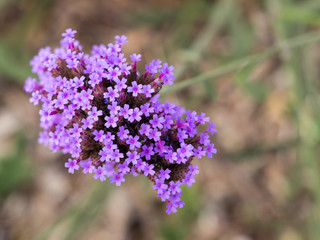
(107, 116)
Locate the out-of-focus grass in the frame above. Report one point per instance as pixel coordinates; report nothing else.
(295, 27)
(15, 170)
(81, 216)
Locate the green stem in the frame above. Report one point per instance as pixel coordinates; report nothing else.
(301, 40)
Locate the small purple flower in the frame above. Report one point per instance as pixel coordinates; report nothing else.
(87, 166)
(71, 165)
(171, 208)
(113, 74)
(212, 128)
(155, 135)
(100, 173)
(174, 187)
(117, 156)
(69, 33)
(189, 180)
(193, 169)
(117, 178)
(36, 97)
(135, 89)
(135, 57)
(160, 186)
(121, 40)
(211, 150)
(99, 135)
(147, 152)
(111, 121)
(147, 90)
(135, 115)
(123, 133)
(30, 85)
(148, 170)
(156, 122)
(121, 84)
(164, 174)
(146, 109)
(125, 111)
(132, 157)
(109, 137)
(133, 142)
(185, 150)
(123, 168)
(144, 129)
(114, 108)
(111, 94)
(153, 66)
(94, 113)
(140, 165)
(87, 123)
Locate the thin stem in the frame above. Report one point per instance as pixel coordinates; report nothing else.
(301, 40)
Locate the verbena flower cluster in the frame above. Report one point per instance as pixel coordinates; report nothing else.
(104, 113)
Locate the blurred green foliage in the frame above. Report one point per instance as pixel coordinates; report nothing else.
(292, 21)
(15, 169)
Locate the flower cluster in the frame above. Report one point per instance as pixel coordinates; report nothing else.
(99, 109)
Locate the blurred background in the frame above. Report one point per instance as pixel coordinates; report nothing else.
(251, 65)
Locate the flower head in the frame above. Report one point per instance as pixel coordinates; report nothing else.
(98, 109)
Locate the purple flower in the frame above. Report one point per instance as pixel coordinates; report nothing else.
(185, 150)
(71, 165)
(147, 90)
(156, 122)
(100, 173)
(153, 66)
(193, 169)
(121, 84)
(148, 170)
(144, 129)
(36, 97)
(174, 187)
(212, 128)
(117, 178)
(171, 207)
(135, 89)
(123, 168)
(111, 121)
(146, 109)
(135, 57)
(111, 94)
(113, 74)
(94, 114)
(211, 150)
(125, 111)
(189, 180)
(132, 157)
(69, 33)
(160, 186)
(99, 135)
(107, 116)
(87, 166)
(133, 142)
(121, 40)
(123, 133)
(147, 152)
(135, 115)
(30, 85)
(164, 174)
(87, 123)
(114, 108)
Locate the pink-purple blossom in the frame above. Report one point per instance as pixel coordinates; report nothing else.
(108, 117)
